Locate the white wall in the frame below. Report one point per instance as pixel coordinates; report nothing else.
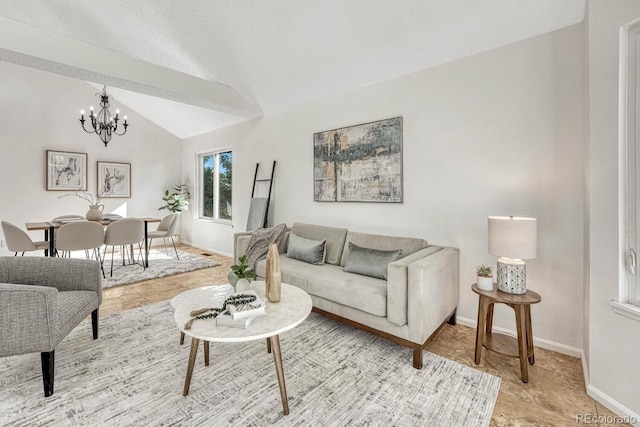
(497, 133)
(614, 340)
(39, 111)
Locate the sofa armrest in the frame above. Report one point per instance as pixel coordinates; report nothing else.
(397, 284)
(28, 318)
(240, 244)
(64, 274)
(433, 288)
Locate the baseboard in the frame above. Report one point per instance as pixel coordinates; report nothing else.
(539, 342)
(208, 249)
(585, 369)
(626, 414)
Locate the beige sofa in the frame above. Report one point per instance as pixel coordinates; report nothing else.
(418, 297)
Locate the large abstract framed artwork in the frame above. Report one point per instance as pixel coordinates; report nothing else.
(114, 179)
(66, 171)
(361, 163)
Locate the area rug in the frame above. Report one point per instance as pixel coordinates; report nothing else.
(160, 265)
(335, 376)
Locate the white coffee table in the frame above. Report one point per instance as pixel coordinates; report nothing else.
(294, 306)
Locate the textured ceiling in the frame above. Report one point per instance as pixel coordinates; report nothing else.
(267, 55)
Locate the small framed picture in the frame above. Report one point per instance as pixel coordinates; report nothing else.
(114, 179)
(66, 171)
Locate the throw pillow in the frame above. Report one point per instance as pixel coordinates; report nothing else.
(370, 262)
(307, 250)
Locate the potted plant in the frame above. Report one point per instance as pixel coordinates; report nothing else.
(485, 278)
(176, 201)
(241, 275)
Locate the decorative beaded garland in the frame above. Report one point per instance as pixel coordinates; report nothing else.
(241, 300)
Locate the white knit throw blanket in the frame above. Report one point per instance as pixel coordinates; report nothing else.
(260, 241)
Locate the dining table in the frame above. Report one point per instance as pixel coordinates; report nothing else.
(49, 228)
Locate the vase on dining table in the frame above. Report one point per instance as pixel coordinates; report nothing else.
(95, 212)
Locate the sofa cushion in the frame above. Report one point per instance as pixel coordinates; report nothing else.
(408, 245)
(334, 237)
(307, 250)
(370, 262)
(330, 282)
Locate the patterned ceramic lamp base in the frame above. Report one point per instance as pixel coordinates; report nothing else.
(512, 276)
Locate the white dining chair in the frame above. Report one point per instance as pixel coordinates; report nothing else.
(19, 241)
(68, 218)
(64, 219)
(124, 232)
(80, 236)
(166, 228)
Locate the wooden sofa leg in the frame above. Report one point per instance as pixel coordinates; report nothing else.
(417, 357)
(452, 319)
(47, 359)
(94, 323)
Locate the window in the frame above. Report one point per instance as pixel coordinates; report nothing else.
(214, 194)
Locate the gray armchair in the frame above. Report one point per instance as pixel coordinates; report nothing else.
(41, 301)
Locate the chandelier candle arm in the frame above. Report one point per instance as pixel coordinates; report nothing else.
(103, 123)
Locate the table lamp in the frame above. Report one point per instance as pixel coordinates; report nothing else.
(512, 239)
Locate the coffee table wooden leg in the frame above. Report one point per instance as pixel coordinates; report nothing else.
(192, 359)
(530, 351)
(206, 353)
(181, 338)
(521, 327)
(482, 317)
(268, 345)
(277, 357)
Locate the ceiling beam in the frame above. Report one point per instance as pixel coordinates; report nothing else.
(33, 47)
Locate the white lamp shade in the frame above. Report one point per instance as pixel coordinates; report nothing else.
(513, 237)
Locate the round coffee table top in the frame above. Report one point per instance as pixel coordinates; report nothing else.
(294, 306)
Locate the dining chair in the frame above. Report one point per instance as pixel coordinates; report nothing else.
(19, 241)
(124, 232)
(166, 228)
(78, 236)
(64, 218)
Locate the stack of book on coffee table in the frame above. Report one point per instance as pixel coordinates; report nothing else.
(241, 314)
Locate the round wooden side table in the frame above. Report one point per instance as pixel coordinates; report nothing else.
(503, 344)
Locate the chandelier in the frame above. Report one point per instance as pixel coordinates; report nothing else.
(104, 124)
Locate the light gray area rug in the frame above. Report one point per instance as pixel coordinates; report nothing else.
(160, 265)
(335, 376)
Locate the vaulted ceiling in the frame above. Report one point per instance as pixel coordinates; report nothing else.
(196, 65)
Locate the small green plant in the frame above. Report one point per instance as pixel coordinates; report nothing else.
(176, 201)
(484, 271)
(242, 270)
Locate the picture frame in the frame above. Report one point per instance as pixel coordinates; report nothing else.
(114, 180)
(360, 163)
(66, 171)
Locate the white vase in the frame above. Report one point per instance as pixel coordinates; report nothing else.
(485, 283)
(242, 285)
(95, 212)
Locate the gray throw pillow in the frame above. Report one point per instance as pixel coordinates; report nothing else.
(370, 262)
(307, 250)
